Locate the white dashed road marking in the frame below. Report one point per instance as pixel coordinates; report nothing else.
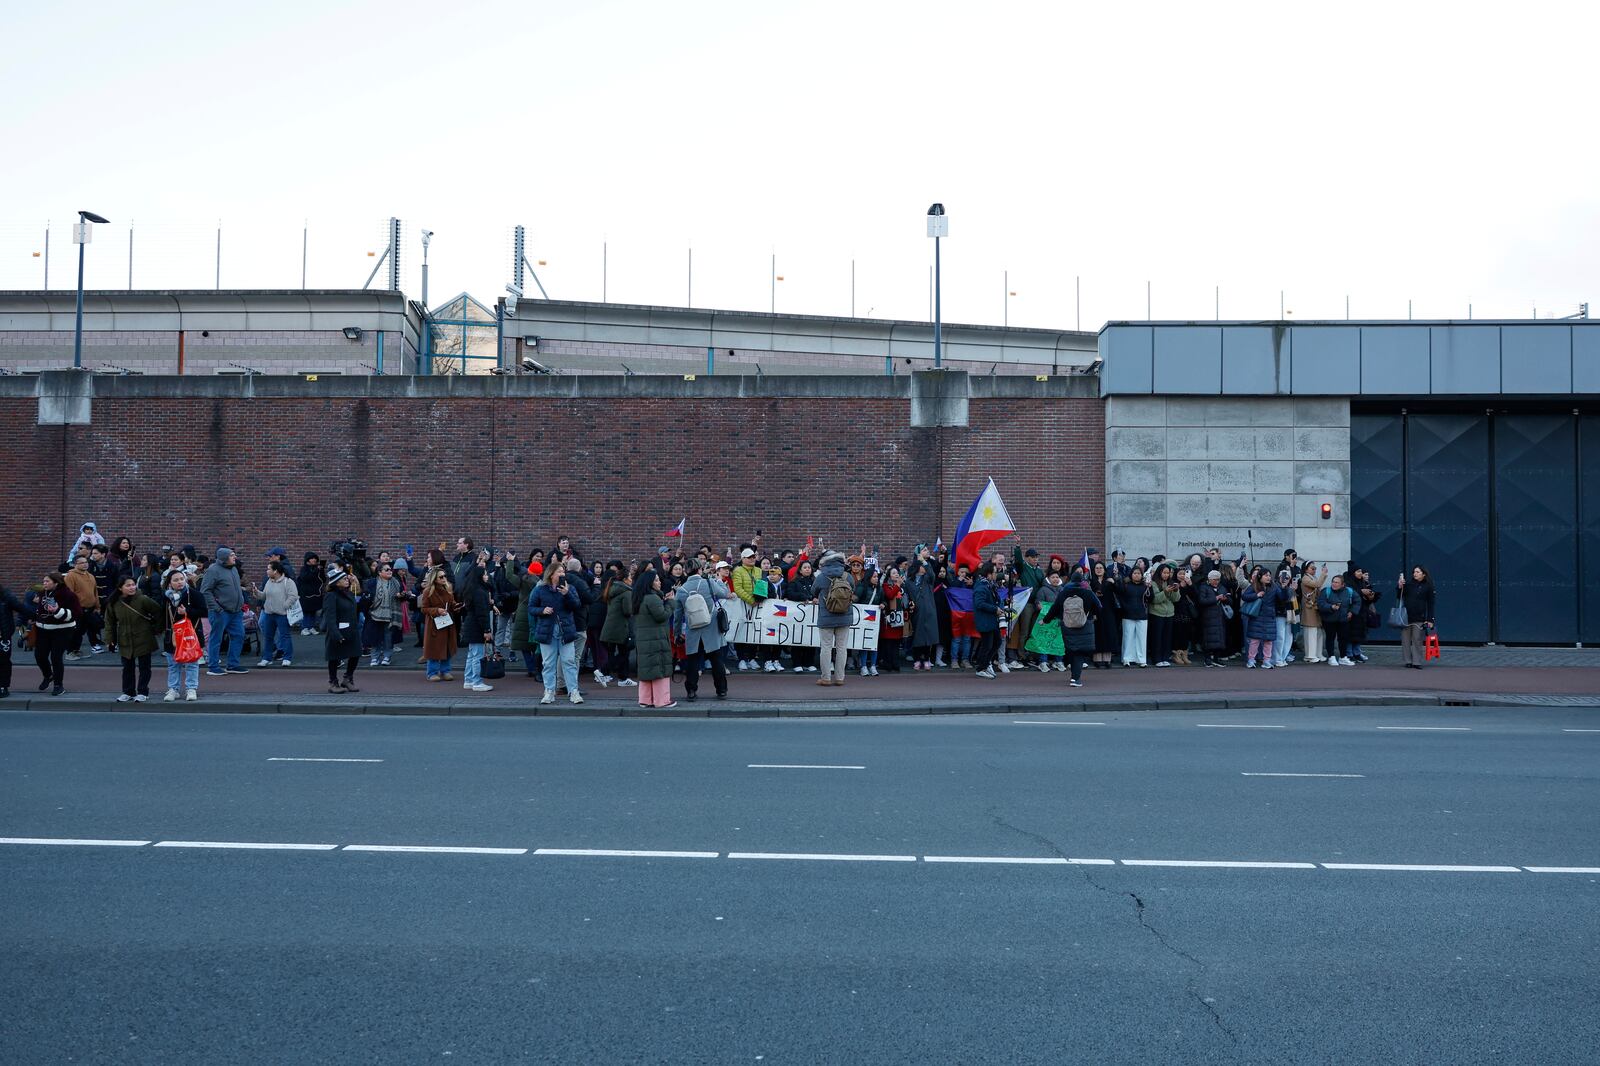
(1427, 728)
(1232, 725)
(1018, 722)
(1301, 775)
(242, 845)
(611, 853)
(75, 843)
(797, 766)
(424, 849)
(818, 857)
(290, 758)
(1413, 868)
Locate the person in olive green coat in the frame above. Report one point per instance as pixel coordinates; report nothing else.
(652, 634)
(618, 596)
(524, 577)
(136, 624)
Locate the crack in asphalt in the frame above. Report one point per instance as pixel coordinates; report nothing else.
(1139, 910)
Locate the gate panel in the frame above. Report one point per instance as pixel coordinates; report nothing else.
(1447, 497)
(1589, 481)
(1536, 542)
(1377, 501)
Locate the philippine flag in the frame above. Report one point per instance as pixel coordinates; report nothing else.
(677, 531)
(986, 521)
(780, 610)
(960, 600)
(1083, 561)
(771, 632)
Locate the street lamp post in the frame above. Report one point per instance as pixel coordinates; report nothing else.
(427, 235)
(938, 226)
(82, 233)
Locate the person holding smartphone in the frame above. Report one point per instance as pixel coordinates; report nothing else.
(1417, 596)
(552, 612)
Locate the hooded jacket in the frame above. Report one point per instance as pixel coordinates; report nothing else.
(832, 567)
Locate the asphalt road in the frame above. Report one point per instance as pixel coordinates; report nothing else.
(852, 938)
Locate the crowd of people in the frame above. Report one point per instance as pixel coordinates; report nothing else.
(643, 623)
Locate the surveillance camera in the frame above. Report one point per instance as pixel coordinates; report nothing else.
(533, 366)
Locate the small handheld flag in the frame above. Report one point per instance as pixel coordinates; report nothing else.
(677, 531)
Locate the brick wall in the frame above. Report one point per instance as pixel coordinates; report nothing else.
(614, 473)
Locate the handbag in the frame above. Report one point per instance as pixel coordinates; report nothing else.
(296, 613)
(494, 667)
(443, 621)
(895, 619)
(722, 620)
(1430, 646)
(1397, 616)
(1372, 619)
(185, 645)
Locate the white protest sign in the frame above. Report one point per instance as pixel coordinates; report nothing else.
(787, 623)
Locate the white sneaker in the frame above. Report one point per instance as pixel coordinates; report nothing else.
(124, 698)
(1333, 660)
(1347, 662)
(604, 680)
(171, 695)
(986, 674)
(1251, 665)
(370, 662)
(865, 672)
(1075, 684)
(548, 697)
(481, 687)
(1266, 666)
(744, 664)
(72, 657)
(627, 682)
(576, 698)
(1044, 668)
(191, 696)
(811, 669)
(140, 698)
(383, 661)
(264, 662)
(799, 669)
(1061, 668)
(287, 662)
(97, 648)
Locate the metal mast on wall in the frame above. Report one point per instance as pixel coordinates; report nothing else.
(391, 255)
(520, 269)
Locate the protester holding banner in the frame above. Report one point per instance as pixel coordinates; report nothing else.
(800, 587)
(892, 631)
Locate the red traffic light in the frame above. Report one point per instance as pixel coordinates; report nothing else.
(1327, 511)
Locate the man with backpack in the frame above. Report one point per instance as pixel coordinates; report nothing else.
(835, 597)
(696, 616)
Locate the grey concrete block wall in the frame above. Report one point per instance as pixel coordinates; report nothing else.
(1243, 473)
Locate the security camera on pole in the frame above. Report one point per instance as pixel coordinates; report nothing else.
(938, 226)
(82, 234)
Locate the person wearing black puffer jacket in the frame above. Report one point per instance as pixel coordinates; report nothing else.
(309, 582)
(340, 628)
(56, 610)
(477, 620)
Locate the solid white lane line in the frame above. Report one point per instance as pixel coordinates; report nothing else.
(1019, 860)
(1301, 775)
(287, 758)
(614, 853)
(1581, 730)
(797, 766)
(422, 849)
(75, 843)
(242, 845)
(1221, 864)
(814, 857)
(1019, 722)
(1562, 869)
(1232, 725)
(1427, 728)
(1413, 868)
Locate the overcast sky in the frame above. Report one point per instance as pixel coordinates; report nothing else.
(1439, 153)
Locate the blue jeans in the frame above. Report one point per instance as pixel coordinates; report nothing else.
(474, 674)
(231, 623)
(275, 636)
(960, 649)
(566, 656)
(438, 667)
(188, 673)
(1280, 646)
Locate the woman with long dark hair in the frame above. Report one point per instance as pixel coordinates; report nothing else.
(652, 631)
(1107, 622)
(56, 611)
(1417, 596)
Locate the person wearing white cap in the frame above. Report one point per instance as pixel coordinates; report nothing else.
(745, 576)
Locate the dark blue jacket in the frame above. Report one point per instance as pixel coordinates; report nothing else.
(1263, 625)
(566, 607)
(985, 607)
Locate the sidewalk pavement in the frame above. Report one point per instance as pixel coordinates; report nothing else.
(1476, 676)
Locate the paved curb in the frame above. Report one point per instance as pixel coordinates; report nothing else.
(754, 709)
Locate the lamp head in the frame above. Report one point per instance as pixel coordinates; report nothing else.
(90, 216)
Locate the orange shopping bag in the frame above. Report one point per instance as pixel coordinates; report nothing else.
(1430, 646)
(185, 645)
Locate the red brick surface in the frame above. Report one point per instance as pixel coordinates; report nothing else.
(613, 474)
